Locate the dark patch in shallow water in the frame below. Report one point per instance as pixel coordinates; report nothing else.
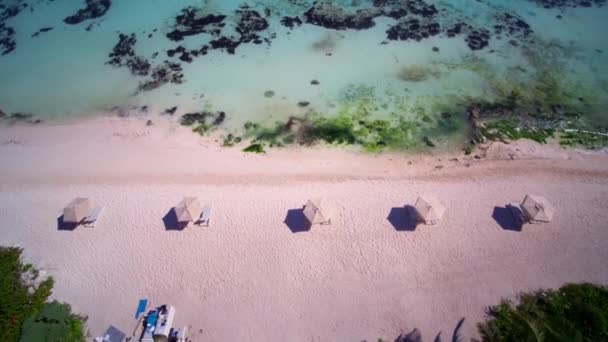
(168, 72)
(7, 34)
(190, 23)
(123, 55)
(291, 22)
(93, 9)
(42, 30)
(328, 15)
(568, 3)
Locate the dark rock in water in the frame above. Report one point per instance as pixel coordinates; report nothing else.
(143, 109)
(149, 123)
(191, 23)
(478, 39)
(94, 9)
(7, 39)
(315, 82)
(168, 72)
(511, 26)
(250, 21)
(303, 104)
(7, 34)
(328, 15)
(568, 3)
(219, 118)
(291, 22)
(22, 117)
(413, 29)
(2, 114)
(203, 118)
(42, 30)
(225, 43)
(435, 49)
(170, 111)
(269, 93)
(123, 55)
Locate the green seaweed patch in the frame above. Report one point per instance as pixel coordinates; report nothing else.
(203, 122)
(272, 135)
(587, 139)
(254, 148)
(230, 140)
(418, 73)
(512, 129)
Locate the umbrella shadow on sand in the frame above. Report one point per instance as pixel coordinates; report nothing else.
(505, 219)
(403, 218)
(296, 221)
(65, 226)
(114, 334)
(171, 223)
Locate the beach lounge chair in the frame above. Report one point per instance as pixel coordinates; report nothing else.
(91, 220)
(537, 209)
(205, 216)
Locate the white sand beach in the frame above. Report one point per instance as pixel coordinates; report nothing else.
(253, 275)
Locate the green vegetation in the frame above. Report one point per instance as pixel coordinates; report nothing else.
(572, 313)
(356, 124)
(254, 148)
(24, 313)
(203, 122)
(54, 322)
(230, 140)
(511, 129)
(590, 140)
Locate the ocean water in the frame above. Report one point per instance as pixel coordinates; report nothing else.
(64, 72)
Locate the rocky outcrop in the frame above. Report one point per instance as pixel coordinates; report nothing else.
(93, 9)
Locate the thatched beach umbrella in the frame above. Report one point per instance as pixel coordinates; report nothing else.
(317, 211)
(429, 210)
(537, 209)
(77, 210)
(188, 210)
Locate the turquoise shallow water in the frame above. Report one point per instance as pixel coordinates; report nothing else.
(64, 72)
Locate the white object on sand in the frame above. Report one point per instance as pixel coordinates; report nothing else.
(91, 220)
(317, 211)
(429, 210)
(205, 216)
(188, 210)
(537, 209)
(77, 210)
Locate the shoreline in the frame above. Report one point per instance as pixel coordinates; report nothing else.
(361, 278)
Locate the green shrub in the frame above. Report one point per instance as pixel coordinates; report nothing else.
(54, 322)
(585, 139)
(575, 312)
(254, 148)
(511, 129)
(22, 301)
(18, 299)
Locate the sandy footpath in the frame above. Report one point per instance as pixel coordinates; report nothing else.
(253, 277)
